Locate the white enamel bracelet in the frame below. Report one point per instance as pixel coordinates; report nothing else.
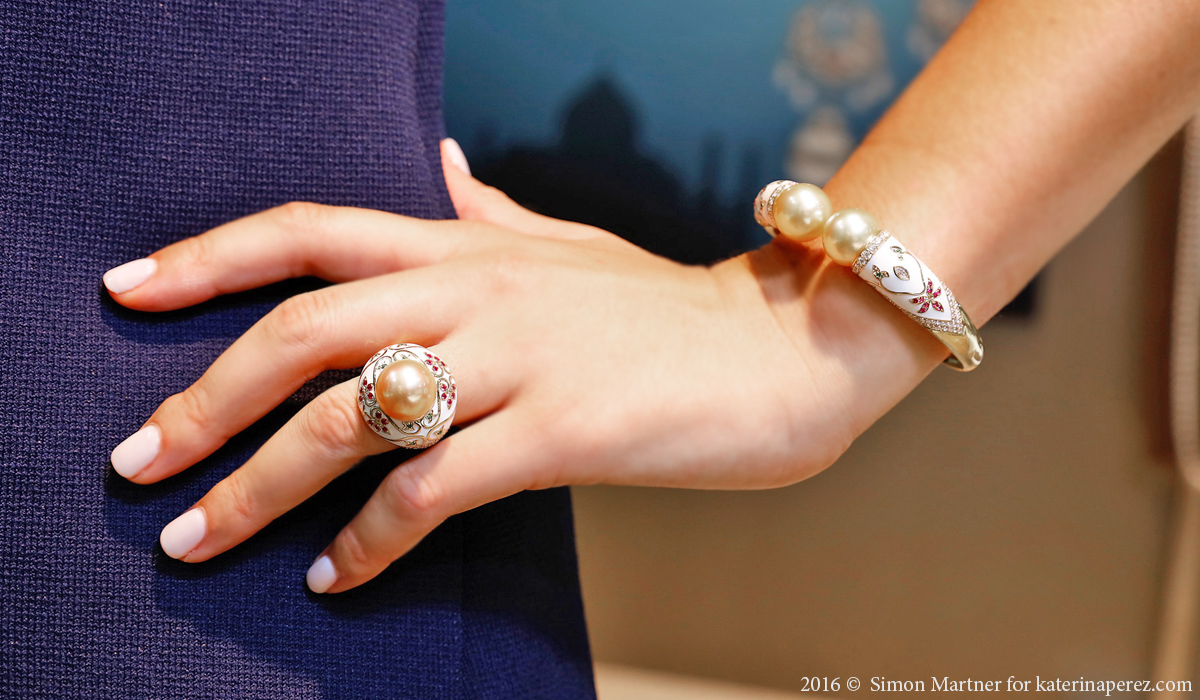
(852, 237)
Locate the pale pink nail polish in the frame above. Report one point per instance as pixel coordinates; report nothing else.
(125, 277)
(321, 575)
(182, 534)
(455, 153)
(137, 451)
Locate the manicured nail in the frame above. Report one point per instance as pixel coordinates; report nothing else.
(123, 278)
(321, 575)
(182, 534)
(455, 153)
(137, 451)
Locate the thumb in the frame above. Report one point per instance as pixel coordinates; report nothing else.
(475, 201)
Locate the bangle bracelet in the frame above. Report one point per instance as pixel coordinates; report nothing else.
(800, 212)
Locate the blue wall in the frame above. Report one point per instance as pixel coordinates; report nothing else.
(690, 68)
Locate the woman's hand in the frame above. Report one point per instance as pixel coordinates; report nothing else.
(579, 358)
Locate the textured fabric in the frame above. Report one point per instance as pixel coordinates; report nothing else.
(125, 126)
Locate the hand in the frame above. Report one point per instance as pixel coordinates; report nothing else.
(579, 358)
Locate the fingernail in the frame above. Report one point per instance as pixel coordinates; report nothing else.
(137, 451)
(182, 534)
(455, 153)
(123, 278)
(321, 575)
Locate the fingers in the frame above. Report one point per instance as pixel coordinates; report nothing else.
(293, 240)
(323, 440)
(475, 201)
(332, 328)
(326, 438)
(480, 464)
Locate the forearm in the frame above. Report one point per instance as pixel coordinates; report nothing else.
(1020, 131)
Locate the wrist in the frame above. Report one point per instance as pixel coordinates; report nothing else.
(845, 311)
(799, 214)
(927, 203)
(860, 341)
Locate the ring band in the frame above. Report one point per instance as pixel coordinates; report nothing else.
(407, 395)
(801, 212)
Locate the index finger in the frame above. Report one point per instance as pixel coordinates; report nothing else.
(292, 240)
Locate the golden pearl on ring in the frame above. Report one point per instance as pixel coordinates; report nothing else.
(847, 233)
(406, 390)
(800, 212)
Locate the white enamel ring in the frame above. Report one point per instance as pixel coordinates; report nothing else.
(407, 395)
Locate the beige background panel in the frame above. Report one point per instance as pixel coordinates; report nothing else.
(615, 682)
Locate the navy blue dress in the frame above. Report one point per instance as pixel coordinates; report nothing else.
(126, 125)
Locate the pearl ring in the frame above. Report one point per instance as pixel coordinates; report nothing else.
(407, 395)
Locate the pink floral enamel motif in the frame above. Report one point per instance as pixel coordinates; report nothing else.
(928, 299)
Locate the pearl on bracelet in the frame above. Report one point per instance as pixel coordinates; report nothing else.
(800, 211)
(406, 390)
(847, 233)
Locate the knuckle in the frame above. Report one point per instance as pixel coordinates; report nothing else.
(472, 229)
(302, 217)
(548, 476)
(334, 425)
(235, 499)
(590, 434)
(551, 466)
(191, 406)
(354, 553)
(484, 201)
(511, 271)
(547, 460)
(300, 321)
(413, 494)
(200, 252)
(494, 197)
